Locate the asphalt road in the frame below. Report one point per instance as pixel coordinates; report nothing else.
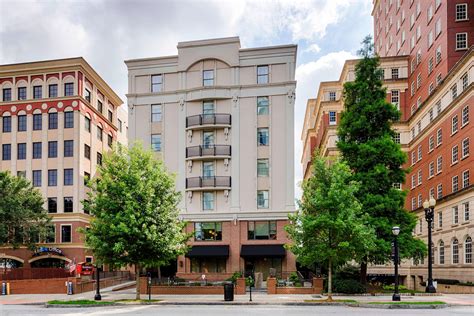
(25, 310)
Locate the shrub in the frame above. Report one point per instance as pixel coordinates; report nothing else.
(392, 287)
(234, 277)
(348, 286)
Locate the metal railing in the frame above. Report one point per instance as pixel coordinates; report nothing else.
(208, 150)
(208, 119)
(203, 182)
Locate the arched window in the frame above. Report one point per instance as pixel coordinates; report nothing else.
(441, 252)
(455, 251)
(468, 250)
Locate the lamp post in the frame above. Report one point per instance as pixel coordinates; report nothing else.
(429, 215)
(396, 231)
(97, 296)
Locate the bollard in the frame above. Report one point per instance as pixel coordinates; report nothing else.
(69, 288)
(8, 288)
(4, 288)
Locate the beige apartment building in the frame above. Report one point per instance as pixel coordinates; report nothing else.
(57, 120)
(221, 118)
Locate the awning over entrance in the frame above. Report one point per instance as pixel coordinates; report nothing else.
(208, 251)
(275, 251)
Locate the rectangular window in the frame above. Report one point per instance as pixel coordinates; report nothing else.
(68, 148)
(208, 78)
(466, 211)
(461, 41)
(432, 193)
(396, 138)
(68, 177)
(431, 169)
(413, 204)
(420, 200)
(7, 94)
(431, 115)
(87, 124)
(394, 73)
(465, 179)
(36, 178)
(465, 148)
(454, 91)
(440, 219)
(413, 157)
(99, 159)
(262, 230)
(413, 181)
(420, 177)
(53, 121)
(395, 98)
(263, 137)
(37, 92)
(68, 205)
(419, 153)
(465, 115)
(461, 12)
(262, 199)
(110, 116)
(156, 113)
(208, 108)
(37, 150)
(208, 169)
(156, 83)
(66, 236)
(99, 133)
(6, 152)
(439, 137)
(332, 95)
(207, 201)
(68, 119)
(454, 124)
(7, 124)
(332, 118)
(455, 184)
(37, 122)
(438, 55)
(454, 154)
(430, 65)
(262, 106)
(262, 74)
(439, 190)
(68, 89)
(262, 167)
(21, 151)
(100, 107)
(53, 90)
(156, 142)
(22, 93)
(52, 205)
(87, 151)
(52, 149)
(431, 143)
(50, 235)
(110, 140)
(455, 214)
(87, 177)
(52, 178)
(87, 95)
(439, 164)
(208, 231)
(465, 81)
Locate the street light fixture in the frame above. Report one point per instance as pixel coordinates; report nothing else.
(395, 232)
(429, 216)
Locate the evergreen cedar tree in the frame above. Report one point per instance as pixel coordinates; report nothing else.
(23, 220)
(134, 211)
(366, 142)
(329, 228)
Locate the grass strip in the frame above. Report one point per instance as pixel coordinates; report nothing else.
(135, 301)
(408, 303)
(80, 302)
(333, 301)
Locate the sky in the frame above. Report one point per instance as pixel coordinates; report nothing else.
(107, 32)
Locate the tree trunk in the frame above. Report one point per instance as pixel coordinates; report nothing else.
(363, 272)
(330, 280)
(137, 277)
(159, 273)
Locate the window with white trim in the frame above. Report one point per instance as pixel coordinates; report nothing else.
(439, 78)
(455, 251)
(465, 179)
(439, 190)
(454, 91)
(441, 252)
(455, 211)
(431, 170)
(439, 164)
(420, 200)
(430, 65)
(438, 55)
(461, 12)
(461, 41)
(438, 27)
(430, 115)
(438, 107)
(413, 204)
(430, 38)
(332, 95)
(418, 81)
(413, 181)
(468, 250)
(454, 154)
(465, 81)
(419, 153)
(413, 157)
(454, 124)
(431, 88)
(467, 215)
(332, 118)
(439, 137)
(432, 193)
(396, 138)
(465, 148)
(420, 177)
(440, 219)
(455, 184)
(465, 115)
(395, 97)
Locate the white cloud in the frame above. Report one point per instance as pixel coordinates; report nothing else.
(313, 48)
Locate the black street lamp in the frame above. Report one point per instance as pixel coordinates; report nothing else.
(97, 296)
(429, 215)
(396, 231)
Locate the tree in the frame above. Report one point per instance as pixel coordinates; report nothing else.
(366, 142)
(330, 226)
(23, 220)
(135, 214)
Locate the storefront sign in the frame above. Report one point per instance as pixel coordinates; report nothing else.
(45, 250)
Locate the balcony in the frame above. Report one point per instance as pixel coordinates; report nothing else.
(208, 183)
(216, 151)
(206, 120)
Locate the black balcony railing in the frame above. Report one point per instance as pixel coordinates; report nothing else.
(208, 119)
(208, 182)
(208, 150)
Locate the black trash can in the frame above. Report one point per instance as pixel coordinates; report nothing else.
(228, 292)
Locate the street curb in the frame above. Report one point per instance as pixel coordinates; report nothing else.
(400, 306)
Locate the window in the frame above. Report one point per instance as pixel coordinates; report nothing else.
(262, 106)
(438, 55)
(465, 115)
(52, 178)
(36, 178)
(394, 74)
(412, 93)
(263, 137)
(262, 199)
(439, 137)
(156, 142)
(21, 151)
(68, 177)
(455, 184)
(87, 177)
(262, 74)
(262, 167)
(37, 92)
(468, 250)
(466, 211)
(431, 169)
(68, 89)
(332, 95)
(454, 124)
(7, 94)
(6, 152)
(50, 235)
(454, 154)
(418, 81)
(461, 41)
(441, 252)
(156, 112)
(413, 181)
(420, 200)
(110, 116)
(52, 149)
(208, 78)
(156, 83)
(439, 189)
(52, 205)
(461, 12)
(87, 124)
(396, 138)
(430, 13)
(207, 201)
(22, 93)
(100, 106)
(332, 118)
(68, 119)
(438, 27)
(439, 164)
(395, 98)
(207, 169)
(68, 148)
(431, 89)
(37, 122)
(208, 108)
(430, 38)
(455, 251)
(413, 157)
(431, 143)
(53, 90)
(430, 114)
(419, 152)
(53, 121)
(7, 124)
(110, 140)
(413, 204)
(440, 219)
(87, 151)
(465, 148)
(66, 233)
(420, 177)
(120, 125)
(87, 95)
(454, 91)
(465, 81)
(68, 205)
(99, 133)
(437, 3)
(262, 230)
(208, 265)
(99, 159)
(208, 231)
(465, 179)
(37, 150)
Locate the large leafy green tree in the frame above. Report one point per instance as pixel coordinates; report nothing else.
(366, 142)
(329, 228)
(135, 215)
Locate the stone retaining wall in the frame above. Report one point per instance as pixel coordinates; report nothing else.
(239, 288)
(316, 288)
